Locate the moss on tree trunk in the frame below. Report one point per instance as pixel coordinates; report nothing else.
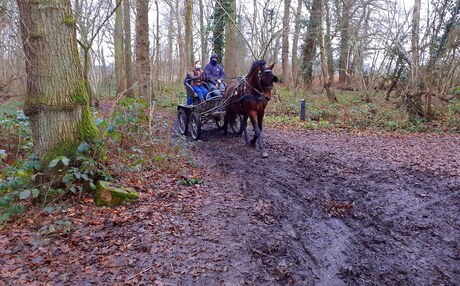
(57, 102)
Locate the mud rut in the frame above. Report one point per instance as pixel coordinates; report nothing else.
(328, 209)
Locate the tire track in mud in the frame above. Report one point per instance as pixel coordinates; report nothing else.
(402, 230)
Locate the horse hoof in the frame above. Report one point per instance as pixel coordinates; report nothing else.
(264, 154)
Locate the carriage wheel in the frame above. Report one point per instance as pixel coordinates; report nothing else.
(195, 124)
(219, 121)
(182, 118)
(236, 124)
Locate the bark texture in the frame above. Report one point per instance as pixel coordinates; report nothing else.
(344, 42)
(311, 41)
(128, 55)
(118, 42)
(230, 41)
(285, 45)
(295, 41)
(57, 102)
(142, 49)
(188, 33)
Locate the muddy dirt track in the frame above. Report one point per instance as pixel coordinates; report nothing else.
(325, 208)
(331, 209)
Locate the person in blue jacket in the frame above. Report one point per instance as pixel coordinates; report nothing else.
(215, 75)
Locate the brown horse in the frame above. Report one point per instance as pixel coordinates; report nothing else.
(249, 97)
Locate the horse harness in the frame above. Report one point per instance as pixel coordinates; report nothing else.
(244, 83)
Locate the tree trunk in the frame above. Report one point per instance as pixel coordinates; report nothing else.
(180, 43)
(295, 42)
(230, 41)
(285, 45)
(142, 49)
(344, 42)
(188, 33)
(203, 35)
(311, 41)
(323, 51)
(57, 102)
(127, 48)
(219, 20)
(415, 37)
(327, 40)
(170, 65)
(118, 43)
(86, 69)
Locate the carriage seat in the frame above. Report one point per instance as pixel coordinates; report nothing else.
(189, 89)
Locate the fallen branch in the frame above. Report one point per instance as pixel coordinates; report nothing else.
(143, 271)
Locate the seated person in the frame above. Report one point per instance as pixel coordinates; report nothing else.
(197, 76)
(215, 75)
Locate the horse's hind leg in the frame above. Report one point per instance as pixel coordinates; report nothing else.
(244, 126)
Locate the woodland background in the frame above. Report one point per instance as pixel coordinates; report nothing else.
(409, 49)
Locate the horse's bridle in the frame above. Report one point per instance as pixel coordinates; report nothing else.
(259, 78)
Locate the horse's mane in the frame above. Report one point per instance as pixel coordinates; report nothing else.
(256, 64)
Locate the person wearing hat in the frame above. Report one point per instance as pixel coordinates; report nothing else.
(215, 75)
(197, 76)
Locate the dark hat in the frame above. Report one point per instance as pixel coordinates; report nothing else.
(214, 56)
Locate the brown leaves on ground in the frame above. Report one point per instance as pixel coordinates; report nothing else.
(79, 239)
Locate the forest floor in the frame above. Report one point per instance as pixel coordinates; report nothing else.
(325, 208)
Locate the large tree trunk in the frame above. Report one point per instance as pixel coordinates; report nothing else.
(170, 65)
(230, 41)
(188, 33)
(203, 35)
(180, 42)
(127, 48)
(158, 71)
(311, 41)
(415, 37)
(328, 43)
(219, 20)
(344, 42)
(285, 45)
(324, 52)
(142, 49)
(86, 70)
(118, 43)
(57, 102)
(295, 42)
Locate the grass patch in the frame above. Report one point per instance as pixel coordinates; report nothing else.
(352, 112)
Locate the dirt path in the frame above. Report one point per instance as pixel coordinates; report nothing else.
(323, 209)
(333, 209)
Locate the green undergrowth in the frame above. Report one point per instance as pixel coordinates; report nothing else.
(352, 112)
(133, 138)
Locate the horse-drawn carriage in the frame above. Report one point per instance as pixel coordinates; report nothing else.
(199, 113)
(244, 98)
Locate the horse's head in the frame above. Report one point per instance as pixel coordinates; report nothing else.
(266, 78)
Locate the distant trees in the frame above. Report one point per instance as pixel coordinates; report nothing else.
(364, 45)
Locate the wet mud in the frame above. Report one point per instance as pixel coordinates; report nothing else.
(331, 208)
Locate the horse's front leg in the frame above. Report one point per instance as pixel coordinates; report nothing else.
(263, 152)
(255, 125)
